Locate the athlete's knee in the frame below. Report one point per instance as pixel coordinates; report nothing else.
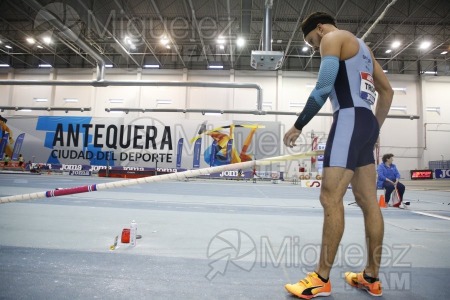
(363, 196)
(328, 200)
(358, 196)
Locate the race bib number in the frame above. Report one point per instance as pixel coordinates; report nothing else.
(367, 89)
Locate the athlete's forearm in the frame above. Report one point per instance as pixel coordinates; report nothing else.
(382, 107)
(385, 93)
(329, 68)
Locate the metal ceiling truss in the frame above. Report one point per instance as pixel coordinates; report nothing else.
(407, 20)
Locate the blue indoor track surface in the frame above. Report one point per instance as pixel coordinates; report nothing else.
(208, 239)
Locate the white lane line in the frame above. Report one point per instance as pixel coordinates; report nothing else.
(431, 215)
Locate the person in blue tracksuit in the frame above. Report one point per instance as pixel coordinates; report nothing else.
(388, 177)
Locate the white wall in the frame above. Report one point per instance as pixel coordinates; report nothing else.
(150, 95)
(208, 98)
(5, 90)
(85, 95)
(436, 94)
(404, 138)
(400, 136)
(23, 95)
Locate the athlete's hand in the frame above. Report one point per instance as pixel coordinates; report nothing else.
(291, 136)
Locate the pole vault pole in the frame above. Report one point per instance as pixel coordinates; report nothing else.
(149, 179)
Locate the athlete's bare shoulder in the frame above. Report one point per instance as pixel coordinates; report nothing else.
(350, 45)
(339, 36)
(346, 42)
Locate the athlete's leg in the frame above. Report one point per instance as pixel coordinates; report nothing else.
(364, 189)
(335, 182)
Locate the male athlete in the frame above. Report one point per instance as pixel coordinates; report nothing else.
(349, 75)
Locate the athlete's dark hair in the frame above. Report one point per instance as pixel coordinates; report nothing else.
(387, 156)
(310, 23)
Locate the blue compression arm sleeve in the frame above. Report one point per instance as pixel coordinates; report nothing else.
(329, 68)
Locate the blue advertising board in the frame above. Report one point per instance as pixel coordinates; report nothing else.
(442, 173)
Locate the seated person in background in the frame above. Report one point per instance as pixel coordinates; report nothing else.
(388, 178)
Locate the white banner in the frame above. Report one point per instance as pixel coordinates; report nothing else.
(142, 142)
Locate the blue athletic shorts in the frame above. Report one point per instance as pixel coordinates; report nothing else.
(351, 139)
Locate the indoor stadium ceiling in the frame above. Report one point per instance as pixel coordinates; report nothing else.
(195, 34)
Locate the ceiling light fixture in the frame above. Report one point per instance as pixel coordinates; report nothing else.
(115, 100)
(296, 104)
(444, 52)
(4, 65)
(151, 66)
(130, 43)
(217, 67)
(70, 100)
(30, 40)
(305, 49)
(47, 40)
(425, 45)
(8, 46)
(435, 109)
(399, 89)
(240, 42)
(163, 101)
(220, 40)
(388, 51)
(396, 44)
(127, 40)
(400, 108)
(40, 99)
(164, 40)
(45, 65)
